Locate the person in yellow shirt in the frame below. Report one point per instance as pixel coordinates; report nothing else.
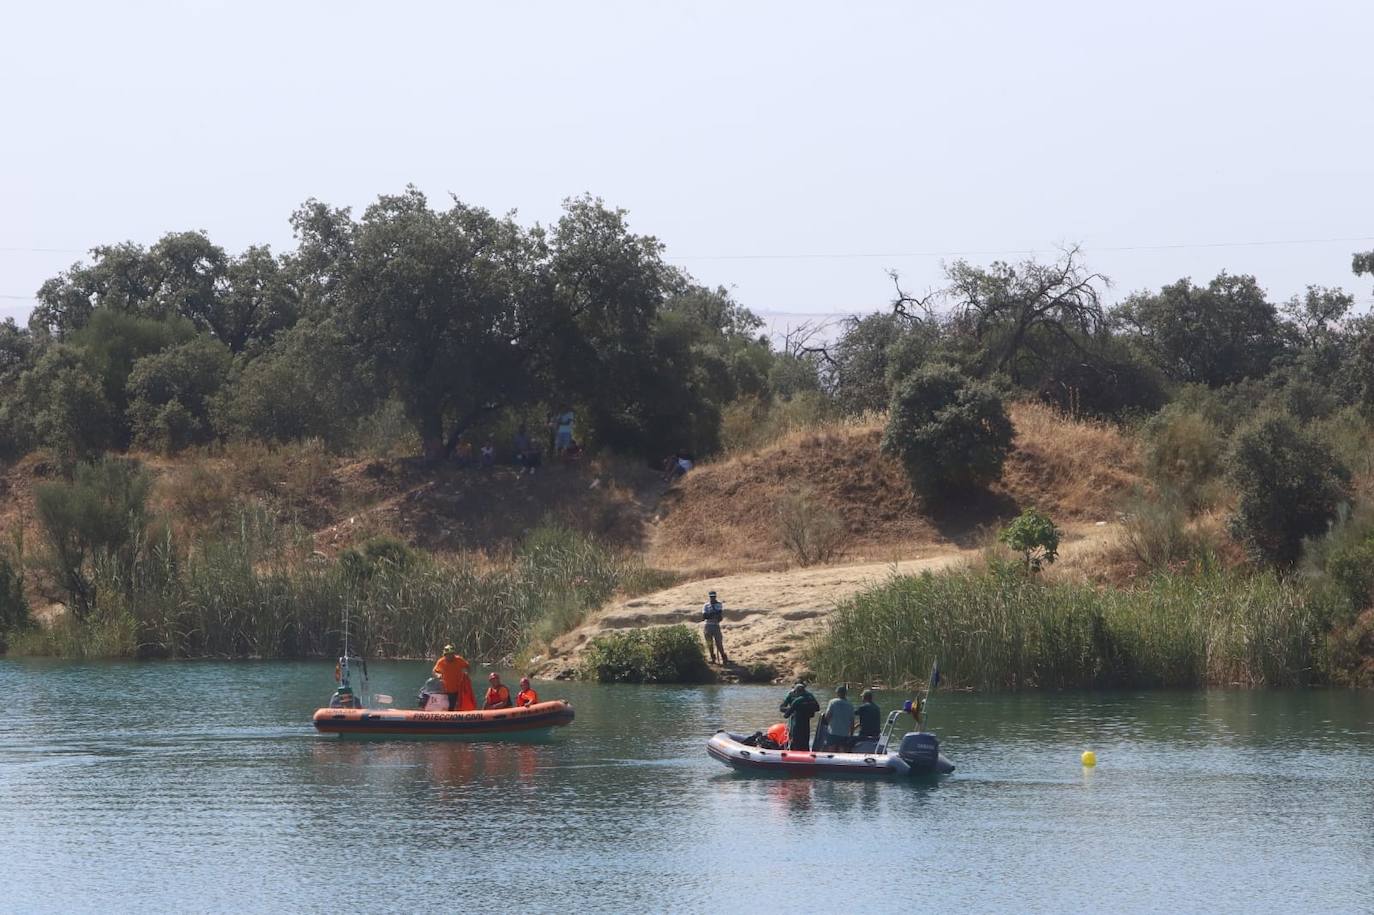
(452, 669)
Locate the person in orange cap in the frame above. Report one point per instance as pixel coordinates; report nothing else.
(452, 669)
(526, 696)
(498, 694)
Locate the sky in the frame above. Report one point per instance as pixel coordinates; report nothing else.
(793, 152)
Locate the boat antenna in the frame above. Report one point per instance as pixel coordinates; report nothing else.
(925, 706)
(343, 662)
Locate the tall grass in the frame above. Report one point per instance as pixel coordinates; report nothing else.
(1000, 629)
(260, 592)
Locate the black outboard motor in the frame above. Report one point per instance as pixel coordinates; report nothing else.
(920, 750)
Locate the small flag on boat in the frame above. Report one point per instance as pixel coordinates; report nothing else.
(935, 675)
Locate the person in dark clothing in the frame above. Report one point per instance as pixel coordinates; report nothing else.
(870, 718)
(798, 708)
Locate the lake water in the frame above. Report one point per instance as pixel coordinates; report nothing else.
(202, 787)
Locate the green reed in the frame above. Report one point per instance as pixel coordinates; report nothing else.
(999, 628)
(261, 592)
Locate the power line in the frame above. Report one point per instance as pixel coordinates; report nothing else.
(1172, 246)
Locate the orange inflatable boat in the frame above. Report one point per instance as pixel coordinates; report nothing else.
(532, 721)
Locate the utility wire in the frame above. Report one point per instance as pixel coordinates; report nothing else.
(1173, 246)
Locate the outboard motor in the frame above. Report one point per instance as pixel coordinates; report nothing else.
(921, 751)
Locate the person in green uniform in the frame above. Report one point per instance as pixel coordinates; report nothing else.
(799, 708)
(870, 718)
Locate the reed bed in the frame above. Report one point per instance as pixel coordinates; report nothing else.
(1001, 629)
(258, 593)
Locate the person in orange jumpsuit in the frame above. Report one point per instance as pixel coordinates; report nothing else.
(498, 694)
(452, 669)
(526, 696)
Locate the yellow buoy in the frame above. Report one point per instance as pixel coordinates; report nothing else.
(1089, 758)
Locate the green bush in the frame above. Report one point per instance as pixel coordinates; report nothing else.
(100, 516)
(377, 555)
(1183, 454)
(665, 654)
(14, 609)
(1290, 487)
(170, 393)
(1035, 537)
(1155, 532)
(948, 431)
(60, 404)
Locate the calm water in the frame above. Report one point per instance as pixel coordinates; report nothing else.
(202, 787)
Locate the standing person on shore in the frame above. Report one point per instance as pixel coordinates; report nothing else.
(563, 431)
(798, 708)
(712, 612)
(452, 670)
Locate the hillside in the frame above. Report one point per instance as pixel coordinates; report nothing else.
(1075, 471)
(713, 528)
(717, 527)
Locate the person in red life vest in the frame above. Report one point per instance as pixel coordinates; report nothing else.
(526, 696)
(778, 735)
(452, 669)
(498, 694)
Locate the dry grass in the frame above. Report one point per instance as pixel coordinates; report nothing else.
(1072, 469)
(723, 512)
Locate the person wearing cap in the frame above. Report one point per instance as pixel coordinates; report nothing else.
(498, 694)
(711, 614)
(838, 721)
(452, 670)
(798, 708)
(870, 717)
(527, 695)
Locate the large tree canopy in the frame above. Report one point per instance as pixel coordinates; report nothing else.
(1220, 334)
(239, 300)
(461, 313)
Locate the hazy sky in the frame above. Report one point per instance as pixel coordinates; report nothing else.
(744, 135)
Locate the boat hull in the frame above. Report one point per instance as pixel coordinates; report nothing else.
(728, 749)
(531, 722)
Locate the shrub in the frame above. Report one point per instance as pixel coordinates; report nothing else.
(759, 672)
(1035, 537)
(170, 394)
(810, 530)
(14, 609)
(377, 555)
(1183, 454)
(68, 410)
(199, 493)
(1290, 487)
(100, 516)
(1155, 533)
(947, 430)
(665, 654)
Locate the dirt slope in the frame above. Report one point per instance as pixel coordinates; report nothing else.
(1076, 471)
